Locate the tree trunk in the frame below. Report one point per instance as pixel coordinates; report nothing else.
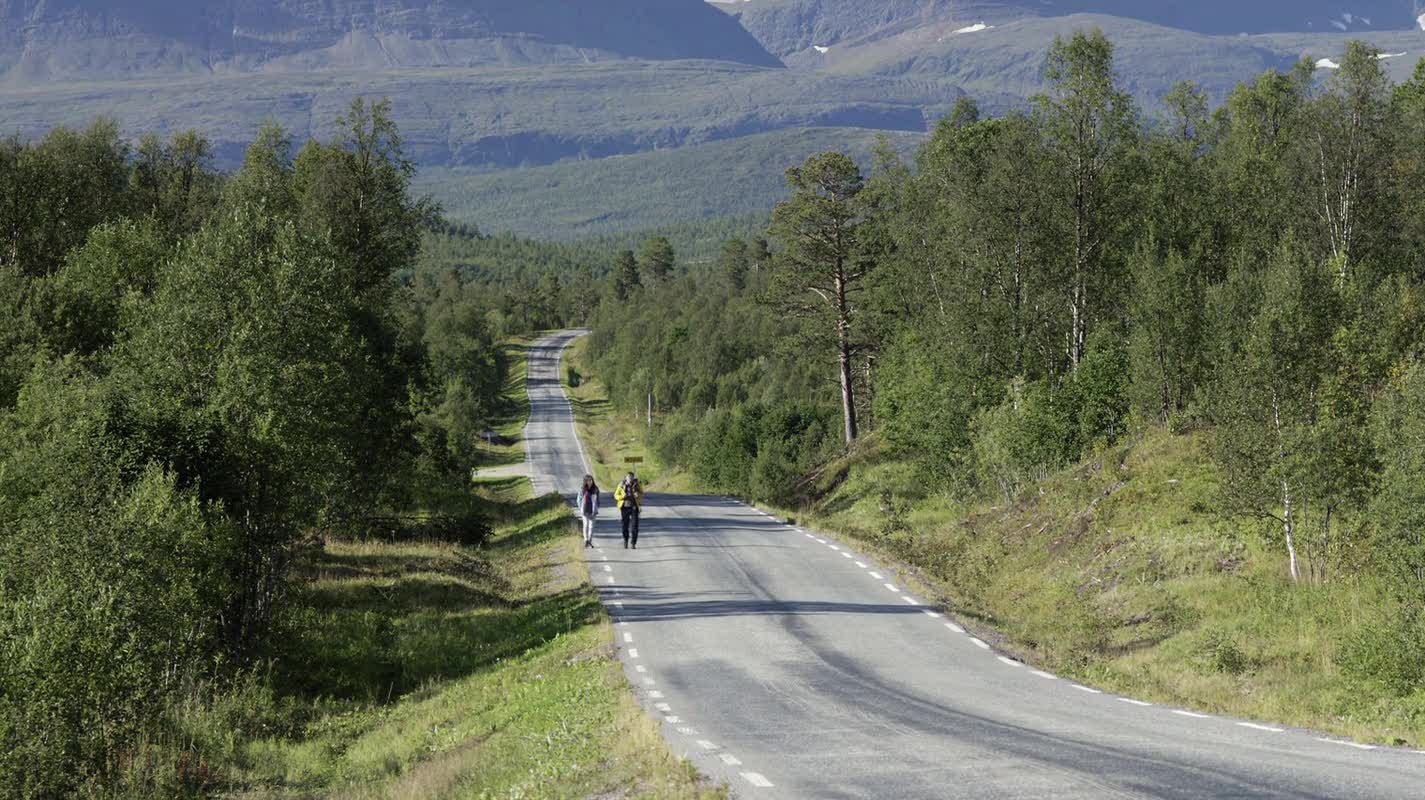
(1289, 528)
(843, 343)
(848, 398)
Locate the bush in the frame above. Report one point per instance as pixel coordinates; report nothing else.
(1390, 653)
(1023, 438)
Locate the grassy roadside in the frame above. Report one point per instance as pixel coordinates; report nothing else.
(611, 437)
(422, 668)
(1118, 572)
(431, 670)
(508, 449)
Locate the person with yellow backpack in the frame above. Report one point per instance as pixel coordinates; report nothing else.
(629, 497)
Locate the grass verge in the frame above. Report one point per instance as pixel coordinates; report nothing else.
(430, 670)
(1119, 572)
(612, 437)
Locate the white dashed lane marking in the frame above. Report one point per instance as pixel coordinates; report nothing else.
(846, 555)
(1254, 726)
(1045, 675)
(979, 643)
(1192, 714)
(1131, 701)
(730, 760)
(910, 599)
(633, 652)
(756, 779)
(608, 568)
(876, 575)
(956, 628)
(933, 614)
(672, 720)
(890, 587)
(861, 565)
(1085, 689)
(628, 638)
(664, 707)
(656, 695)
(639, 668)
(706, 745)
(687, 731)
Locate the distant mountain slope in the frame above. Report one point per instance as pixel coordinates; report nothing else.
(633, 192)
(491, 118)
(84, 39)
(1007, 59)
(790, 26)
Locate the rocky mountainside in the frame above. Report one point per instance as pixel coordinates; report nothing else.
(49, 40)
(790, 26)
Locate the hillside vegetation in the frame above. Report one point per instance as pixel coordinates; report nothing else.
(1145, 397)
(239, 549)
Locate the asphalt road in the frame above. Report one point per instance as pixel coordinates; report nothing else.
(791, 666)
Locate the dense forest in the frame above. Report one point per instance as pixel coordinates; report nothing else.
(199, 375)
(1040, 286)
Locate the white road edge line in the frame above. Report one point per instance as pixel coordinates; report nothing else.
(956, 628)
(1010, 661)
(861, 565)
(633, 652)
(656, 695)
(910, 599)
(1048, 676)
(1356, 745)
(664, 707)
(628, 638)
(706, 745)
(1085, 689)
(730, 760)
(846, 555)
(672, 720)
(639, 668)
(933, 614)
(1254, 726)
(1131, 701)
(979, 643)
(891, 587)
(1192, 714)
(756, 779)
(688, 731)
(876, 575)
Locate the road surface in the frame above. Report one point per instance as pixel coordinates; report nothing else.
(791, 666)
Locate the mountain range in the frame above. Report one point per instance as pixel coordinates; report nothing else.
(509, 106)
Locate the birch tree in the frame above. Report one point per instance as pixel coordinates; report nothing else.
(1089, 126)
(1350, 145)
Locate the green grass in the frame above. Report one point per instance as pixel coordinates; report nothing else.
(428, 670)
(512, 415)
(1121, 573)
(612, 437)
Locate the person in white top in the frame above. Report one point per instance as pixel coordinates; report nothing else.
(589, 508)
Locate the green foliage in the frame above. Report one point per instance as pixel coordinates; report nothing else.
(656, 259)
(201, 373)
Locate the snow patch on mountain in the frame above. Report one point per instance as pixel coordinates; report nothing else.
(976, 28)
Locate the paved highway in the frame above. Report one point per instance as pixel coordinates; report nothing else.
(791, 666)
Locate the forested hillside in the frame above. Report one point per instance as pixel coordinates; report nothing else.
(206, 381)
(1225, 299)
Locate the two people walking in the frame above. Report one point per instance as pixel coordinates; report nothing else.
(628, 495)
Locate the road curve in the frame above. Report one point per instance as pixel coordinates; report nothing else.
(791, 666)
